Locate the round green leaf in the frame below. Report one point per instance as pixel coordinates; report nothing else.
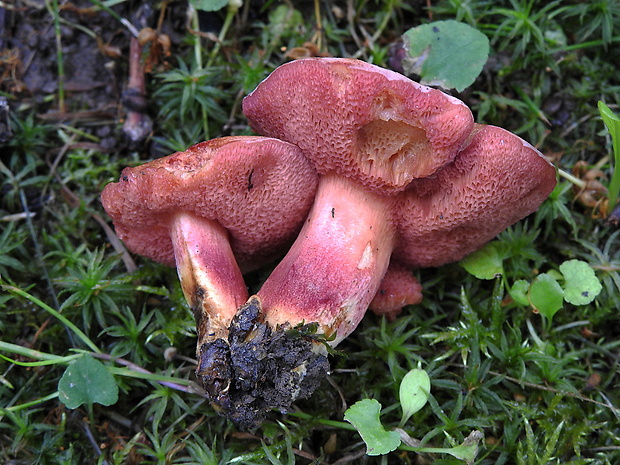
(414, 390)
(581, 286)
(485, 263)
(87, 381)
(546, 295)
(364, 415)
(448, 54)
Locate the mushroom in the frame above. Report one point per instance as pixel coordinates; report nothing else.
(399, 163)
(495, 181)
(216, 210)
(369, 132)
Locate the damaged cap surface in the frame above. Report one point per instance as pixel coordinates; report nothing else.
(358, 120)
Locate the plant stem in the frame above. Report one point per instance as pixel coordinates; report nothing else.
(198, 59)
(31, 353)
(59, 57)
(32, 403)
(331, 423)
(573, 179)
(125, 22)
(230, 14)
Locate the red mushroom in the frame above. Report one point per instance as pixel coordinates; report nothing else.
(369, 132)
(219, 208)
(496, 180)
(392, 156)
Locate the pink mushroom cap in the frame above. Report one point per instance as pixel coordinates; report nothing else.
(495, 181)
(259, 189)
(360, 121)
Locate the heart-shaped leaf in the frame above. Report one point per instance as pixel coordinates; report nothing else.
(449, 54)
(581, 286)
(546, 295)
(87, 381)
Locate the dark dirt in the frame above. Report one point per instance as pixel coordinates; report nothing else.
(259, 368)
(95, 57)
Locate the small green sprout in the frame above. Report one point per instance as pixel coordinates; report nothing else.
(545, 295)
(580, 286)
(575, 282)
(413, 394)
(364, 415)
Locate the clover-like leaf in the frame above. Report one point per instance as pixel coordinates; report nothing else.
(581, 286)
(87, 381)
(364, 415)
(414, 390)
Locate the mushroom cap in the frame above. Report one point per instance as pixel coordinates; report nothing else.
(398, 288)
(495, 181)
(367, 123)
(259, 189)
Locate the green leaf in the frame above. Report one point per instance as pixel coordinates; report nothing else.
(448, 54)
(283, 21)
(485, 263)
(519, 290)
(87, 381)
(208, 5)
(612, 121)
(546, 295)
(414, 390)
(581, 286)
(468, 450)
(364, 415)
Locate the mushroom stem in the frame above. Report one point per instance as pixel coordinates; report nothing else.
(335, 267)
(206, 265)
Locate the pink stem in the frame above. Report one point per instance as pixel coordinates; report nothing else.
(334, 268)
(209, 274)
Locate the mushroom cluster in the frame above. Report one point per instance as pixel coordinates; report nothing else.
(406, 179)
(216, 210)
